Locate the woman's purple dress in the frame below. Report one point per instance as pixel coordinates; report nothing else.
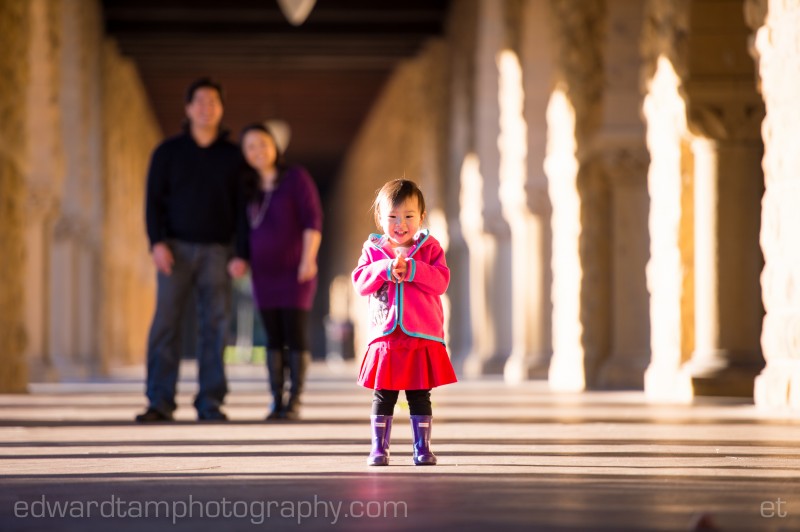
(276, 243)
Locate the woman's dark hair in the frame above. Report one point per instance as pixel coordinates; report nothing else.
(252, 181)
(394, 193)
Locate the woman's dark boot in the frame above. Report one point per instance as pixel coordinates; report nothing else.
(421, 427)
(381, 432)
(298, 366)
(276, 369)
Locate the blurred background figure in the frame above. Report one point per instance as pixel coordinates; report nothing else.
(284, 215)
(194, 190)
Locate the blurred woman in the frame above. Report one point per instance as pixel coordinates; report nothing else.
(285, 219)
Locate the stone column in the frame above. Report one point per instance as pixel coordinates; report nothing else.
(670, 268)
(578, 193)
(629, 346)
(461, 24)
(625, 160)
(75, 294)
(39, 209)
(526, 72)
(488, 235)
(724, 114)
(728, 311)
(62, 321)
(44, 179)
(777, 46)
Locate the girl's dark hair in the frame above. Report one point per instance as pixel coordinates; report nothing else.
(252, 181)
(394, 193)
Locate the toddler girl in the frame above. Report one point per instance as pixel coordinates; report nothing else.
(403, 272)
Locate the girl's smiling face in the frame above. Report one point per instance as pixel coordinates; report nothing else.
(401, 222)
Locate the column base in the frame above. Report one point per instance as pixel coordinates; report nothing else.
(665, 383)
(41, 371)
(778, 386)
(725, 373)
(522, 367)
(622, 371)
(477, 365)
(14, 377)
(566, 373)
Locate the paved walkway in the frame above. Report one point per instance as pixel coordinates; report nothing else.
(518, 458)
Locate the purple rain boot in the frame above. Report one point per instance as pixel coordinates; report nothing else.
(381, 432)
(421, 426)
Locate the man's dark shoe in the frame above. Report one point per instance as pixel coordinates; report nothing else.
(152, 415)
(214, 415)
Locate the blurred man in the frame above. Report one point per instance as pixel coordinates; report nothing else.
(194, 192)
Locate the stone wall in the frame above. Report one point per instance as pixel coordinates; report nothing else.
(14, 30)
(130, 133)
(75, 140)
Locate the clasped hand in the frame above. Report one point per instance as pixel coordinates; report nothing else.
(400, 268)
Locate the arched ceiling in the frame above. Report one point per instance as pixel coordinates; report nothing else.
(320, 77)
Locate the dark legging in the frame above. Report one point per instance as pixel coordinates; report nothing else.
(286, 328)
(419, 402)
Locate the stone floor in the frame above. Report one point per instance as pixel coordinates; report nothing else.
(519, 458)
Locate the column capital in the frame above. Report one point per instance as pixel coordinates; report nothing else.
(69, 226)
(627, 164)
(725, 111)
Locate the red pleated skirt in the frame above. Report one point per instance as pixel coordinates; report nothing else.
(402, 362)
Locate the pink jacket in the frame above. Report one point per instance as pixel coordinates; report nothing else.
(414, 304)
